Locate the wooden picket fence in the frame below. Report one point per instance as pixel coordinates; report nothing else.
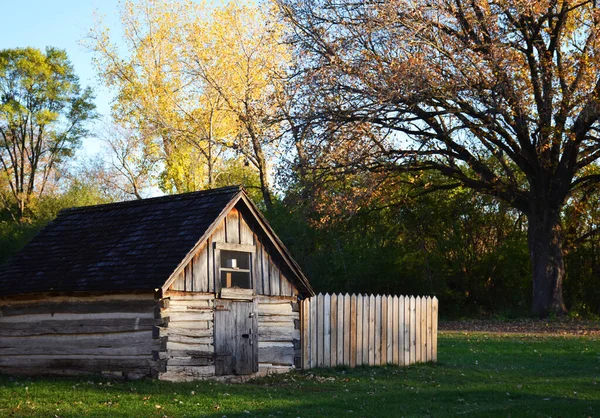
(354, 330)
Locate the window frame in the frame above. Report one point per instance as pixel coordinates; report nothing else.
(243, 248)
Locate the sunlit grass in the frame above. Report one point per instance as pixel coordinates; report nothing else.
(477, 375)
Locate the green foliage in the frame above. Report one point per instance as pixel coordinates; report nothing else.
(477, 375)
(465, 248)
(43, 116)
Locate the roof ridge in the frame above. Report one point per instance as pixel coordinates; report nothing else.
(151, 200)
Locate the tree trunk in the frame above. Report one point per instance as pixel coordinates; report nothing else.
(547, 264)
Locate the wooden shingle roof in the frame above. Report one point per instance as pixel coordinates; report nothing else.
(125, 246)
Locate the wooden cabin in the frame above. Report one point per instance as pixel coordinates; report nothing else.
(181, 287)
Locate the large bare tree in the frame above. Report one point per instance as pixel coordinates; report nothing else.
(501, 96)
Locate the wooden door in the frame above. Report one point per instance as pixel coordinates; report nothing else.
(236, 337)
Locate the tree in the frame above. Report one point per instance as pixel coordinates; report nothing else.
(132, 161)
(502, 97)
(248, 72)
(43, 115)
(202, 80)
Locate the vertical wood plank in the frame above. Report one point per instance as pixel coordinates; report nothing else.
(434, 327)
(313, 332)
(217, 236)
(413, 329)
(210, 260)
(327, 330)
(232, 227)
(359, 329)
(320, 339)
(418, 330)
(377, 347)
(390, 331)
(305, 312)
(395, 330)
(371, 330)
(353, 321)
(340, 330)
(347, 329)
(334, 329)
(365, 339)
(406, 342)
(257, 268)
(274, 278)
(264, 256)
(384, 329)
(428, 339)
(246, 234)
(423, 329)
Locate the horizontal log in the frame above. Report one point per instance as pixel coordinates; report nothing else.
(60, 297)
(275, 308)
(190, 361)
(192, 371)
(276, 355)
(190, 353)
(178, 295)
(202, 303)
(278, 334)
(125, 343)
(186, 332)
(82, 326)
(189, 340)
(188, 316)
(83, 363)
(185, 309)
(173, 346)
(76, 317)
(141, 305)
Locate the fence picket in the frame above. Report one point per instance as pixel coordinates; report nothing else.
(347, 314)
(352, 356)
(406, 340)
(327, 330)
(334, 328)
(434, 327)
(313, 333)
(365, 339)
(372, 330)
(395, 331)
(413, 329)
(340, 330)
(320, 327)
(359, 330)
(390, 330)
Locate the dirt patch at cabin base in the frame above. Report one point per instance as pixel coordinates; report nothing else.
(563, 326)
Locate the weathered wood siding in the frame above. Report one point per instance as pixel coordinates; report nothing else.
(110, 334)
(186, 336)
(278, 334)
(201, 274)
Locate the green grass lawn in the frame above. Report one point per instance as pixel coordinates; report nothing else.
(478, 375)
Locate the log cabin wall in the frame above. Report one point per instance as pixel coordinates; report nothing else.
(186, 336)
(187, 352)
(110, 334)
(278, 334)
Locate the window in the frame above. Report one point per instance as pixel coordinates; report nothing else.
(235, 269)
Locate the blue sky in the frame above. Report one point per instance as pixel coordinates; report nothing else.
(62, 24)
